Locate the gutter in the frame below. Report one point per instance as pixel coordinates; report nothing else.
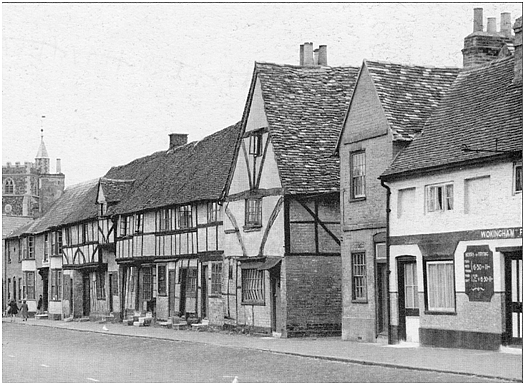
(388, 193)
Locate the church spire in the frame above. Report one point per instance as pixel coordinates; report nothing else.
(42, 158)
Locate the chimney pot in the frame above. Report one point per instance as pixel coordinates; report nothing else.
(491, 25)
(316, 56)
(177, 140)
(478, 20)
(301, 55)
(323, 57)
(8, 164)
(59, 166)
(505, 24)
(308, 54)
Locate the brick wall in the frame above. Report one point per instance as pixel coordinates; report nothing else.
(313, 295)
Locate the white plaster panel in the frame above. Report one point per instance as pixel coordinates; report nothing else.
(256, 115)
(55, 263)
(28, 265)
(149, 222)
(148, 244)
(270, 173)
(412, 328)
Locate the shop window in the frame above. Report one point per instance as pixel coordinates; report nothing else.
(410, 283)
(213, 212)
(216, 278)
(56, 285)
(184, 217)
(440, 286)
(101, 284)
(357, 175)
(253, 215)
(29, 287)
(256, 144)
(440, 197)
(253, 286)
(147, 280)
(518, 177)
(162, 280)
(359, 277)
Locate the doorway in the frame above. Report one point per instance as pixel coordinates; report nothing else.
(111, 293)
(86, 299)
(382, 299)
(171, 293)
(183, 278)
(408, 299)
(14, 288)
(275, 296)
(204, 291)
(513, 298)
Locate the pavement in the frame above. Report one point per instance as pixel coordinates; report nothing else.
(506, 364)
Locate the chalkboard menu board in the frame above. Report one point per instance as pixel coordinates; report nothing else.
(479, 273)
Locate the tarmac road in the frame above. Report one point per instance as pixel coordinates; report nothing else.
(40, 354)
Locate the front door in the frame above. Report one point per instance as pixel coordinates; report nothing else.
(275, 295)
(204, 291)
(171, 293)
(85, 295)
(183, 277)
(14, 288)
(408, 300)
(111, 293)
(514, 298)
(382, 304)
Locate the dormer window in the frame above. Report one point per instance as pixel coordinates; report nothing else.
(9, 186)
(256, 144)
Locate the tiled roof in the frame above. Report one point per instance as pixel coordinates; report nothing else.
(480, 107)
(115, 189)
(409, 93)
(196, 171)
(76, 204)
(12, 223)
(305, 108)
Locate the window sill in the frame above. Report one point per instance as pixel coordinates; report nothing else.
(215, 295)
(253, 303)
(249, 228)
(359, 301)
(435, 312)
(358, 199)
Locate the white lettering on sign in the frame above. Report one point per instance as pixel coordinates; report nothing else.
(516, 232)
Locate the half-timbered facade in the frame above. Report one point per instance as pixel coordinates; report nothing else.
(281, 216)
(168, 239)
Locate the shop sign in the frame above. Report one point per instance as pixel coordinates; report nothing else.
(505, 233)
(479, 273)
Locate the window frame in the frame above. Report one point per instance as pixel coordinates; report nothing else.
(253, 218)
(360, 280)
(517, 166)
(213, 212)
(147, 285)
(56, 285)
(252, 283)
(138, 223)
(45, 257)
(439, 310)
(439, 198)
(29, 285)
(357, 176)
(9, 186)
(184, 217)
(216, 279)
(411, 311)
(255, 145)
(191, 282)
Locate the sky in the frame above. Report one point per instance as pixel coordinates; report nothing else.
(113, 80)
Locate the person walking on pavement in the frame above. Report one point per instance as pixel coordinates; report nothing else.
(39, 305)
(24, 310)
(13, 309)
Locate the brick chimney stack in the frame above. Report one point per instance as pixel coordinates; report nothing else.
(484, 46)
(309, 57)
(177, 140)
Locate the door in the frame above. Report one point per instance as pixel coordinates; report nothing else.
(111, 293)
(14, 288)
(70, 296)
(382, 298)
(275, 296)
(204, 291)
(85, 295)
(45, 290)
(513, 298)
(408, 300)
(183, 279)
(171, 293)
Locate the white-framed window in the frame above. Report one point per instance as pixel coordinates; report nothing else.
(253, 286)
(29, 287)
(518, 177)
(9, 186)
(126, 225)
(358, 277)
(216, 278)
(184, 217)
(440, 286)
(139, 223)
(46, 248)
(253, 214)
(213, 212)
(31, 246)
(440, 197)
(357, 174)
(410, 283)
(165, 220)
(256, 144)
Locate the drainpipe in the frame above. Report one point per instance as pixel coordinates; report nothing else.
(388, 193)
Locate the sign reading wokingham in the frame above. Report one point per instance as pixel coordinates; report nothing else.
(479, 273)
